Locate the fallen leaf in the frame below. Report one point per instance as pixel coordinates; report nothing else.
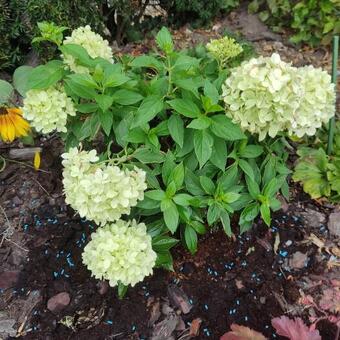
(179, 299)
(294, 329)
(242, 333)
(239, 284)
(195, 327)
(276, 242)
(330, 300)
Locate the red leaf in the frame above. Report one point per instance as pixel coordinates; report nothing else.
(242, 333)
(294, 329)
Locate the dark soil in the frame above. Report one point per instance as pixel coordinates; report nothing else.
(227, 281)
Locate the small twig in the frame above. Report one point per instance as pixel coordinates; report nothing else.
(46, 192)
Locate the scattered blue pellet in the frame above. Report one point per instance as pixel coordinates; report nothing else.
(253, 275)
(62, 272)
(244, 263)
(191, 302)
(133, 328)
(147, 294)
(66, 275)
(266, 326)
(283, 253)
(246, 318)
(238, 302)
(206, 307)
(46, 251)
(55, 274)
(109, 322)
(215, 273)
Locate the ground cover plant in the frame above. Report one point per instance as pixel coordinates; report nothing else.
(312, 22)
(183, 142)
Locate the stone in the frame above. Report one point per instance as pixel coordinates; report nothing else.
(8, 279)
(334, 224)
(313, 218)
(298, 260)
(7, 328)
(58, 302)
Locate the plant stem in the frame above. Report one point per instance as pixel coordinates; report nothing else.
(334, 74)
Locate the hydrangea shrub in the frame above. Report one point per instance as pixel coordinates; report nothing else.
(170, 157)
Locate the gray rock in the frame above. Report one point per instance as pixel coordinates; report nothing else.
(7, 328)
(334, 224)
(58, 302)
(8, 279)
(297, 261)
(313, 218)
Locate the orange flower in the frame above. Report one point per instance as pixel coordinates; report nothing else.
(12, 124)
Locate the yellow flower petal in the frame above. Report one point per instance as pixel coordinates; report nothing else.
(37, 160)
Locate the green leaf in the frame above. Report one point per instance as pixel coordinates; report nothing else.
(165, 261)
(145, 155)
(185, 107)
(229, 178)
(171, 217)
(203, 145)
(6, 90)
(223, 127)
(230, 197)
(106, 121)
(78, 52)
(83, 80)
(208, 185)
(162, 243)
(168, 165)
(214, 213)
(246, 168)
(20, 79)
(220, 154)
(251, 151)
(148, 204)
(147, 61)
(126, 97)
(44, 76)
(192, 183)
(114, 78)
(185, 62)
(137, 135)
(199, 227)
(201, 123)
(253, 188)
(189, 84)
(171, 189)
(190, 238)
(122, 290)
(164, 40)
(176, 129)
(225, 220)
(273, 186)
(249, 213)
(265, 214)
(87, 107)
(104, 101)
(157, 195)
(211, 91)
(177, 175)
(79, 90)
(149, 108)
(182, 199)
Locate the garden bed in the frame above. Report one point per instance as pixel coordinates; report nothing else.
(241, 281)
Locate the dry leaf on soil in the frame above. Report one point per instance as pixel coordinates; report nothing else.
(294, 329)
(242, 333)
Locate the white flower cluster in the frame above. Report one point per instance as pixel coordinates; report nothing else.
(266, 96)
(120, 252)
(224, 49)
(48, 109)
(93, 43)
(100, 192)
